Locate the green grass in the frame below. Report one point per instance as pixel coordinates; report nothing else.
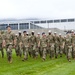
(58, 66)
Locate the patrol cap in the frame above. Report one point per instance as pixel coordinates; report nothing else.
(59, 33)
(19, 31)
(72, 31)
(8, 26)
(38, 33)
(24, 31)
(43, 33)
(27, 33)
(49, 31)
(32, 31)
(16, 34)
(55, 32)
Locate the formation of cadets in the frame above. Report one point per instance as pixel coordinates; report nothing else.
(33, 46)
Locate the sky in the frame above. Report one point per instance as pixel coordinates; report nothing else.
(47, 9)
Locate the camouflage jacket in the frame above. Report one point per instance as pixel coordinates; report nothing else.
(43, 42)
(32, 40)
(9, 37)
(25, 41)
(50, 38)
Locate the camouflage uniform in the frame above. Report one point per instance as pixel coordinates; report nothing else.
(56, 40)
(50, 39)
(68, 43)
(73, 46)
(64, 50)
(16, 45)
(9, 39)
(38, 46)
(20, 45)
(25, 46)
(1, 41)
(32, 42)
(61, 47)
(29, 49)
(43, 44)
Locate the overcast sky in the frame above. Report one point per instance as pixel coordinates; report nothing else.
(20, 9)
(37, 9)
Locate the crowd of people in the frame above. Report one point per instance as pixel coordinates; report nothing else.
(35, 45)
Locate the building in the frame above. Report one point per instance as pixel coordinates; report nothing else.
(18, 25)
(35, 24)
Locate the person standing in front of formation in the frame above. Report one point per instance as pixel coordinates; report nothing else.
(8, 42)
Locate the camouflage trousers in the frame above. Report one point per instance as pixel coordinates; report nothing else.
(9, 52)
(73, 51)
(25, 49)
(69, 52)
(56, 50)
(64, 50)
(44, 52)
(16, 50)
(1, 49)
(51, 51)
(20, 50)
(61, 50)
(40, 51)
(33, 50)
(29, 51)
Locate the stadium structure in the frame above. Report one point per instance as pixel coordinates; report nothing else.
(34, 24)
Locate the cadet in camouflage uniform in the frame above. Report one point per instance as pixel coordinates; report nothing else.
(9, 40)
(73, 44)
(56, 40)
(25, 45)
(1, 42)
(68, 43)
(38, 45)
(20, 44)
(61, 47)
(16, 44)
(29, 51)
(43, 44)
(64, 50)
(50, 39)
(32, 42)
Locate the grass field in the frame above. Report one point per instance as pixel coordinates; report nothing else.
(58, 66)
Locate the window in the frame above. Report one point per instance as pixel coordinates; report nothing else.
(63, 20)
(36, 22)
(24, 25)
(43, 21)
(14, 26)
(70, 20)
(56, 21)
(31, 26)
(3, 26)
(50, 21)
